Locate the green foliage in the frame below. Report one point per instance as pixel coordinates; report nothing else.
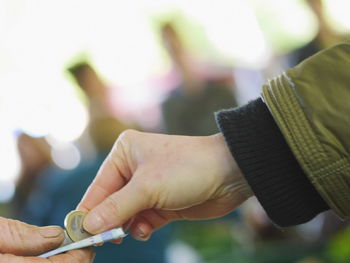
(338, 249)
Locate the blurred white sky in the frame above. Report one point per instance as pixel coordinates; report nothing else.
(39, 38)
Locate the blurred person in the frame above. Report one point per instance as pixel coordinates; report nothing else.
(188, 108)
(289, 148)
(60, 192)
(21, 243)
(187, 111)
(326, 36)
(103, 128)
(35, 156)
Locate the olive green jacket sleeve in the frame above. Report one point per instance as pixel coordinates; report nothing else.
(311, 105)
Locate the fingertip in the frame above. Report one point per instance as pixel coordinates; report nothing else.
(99, 244)
(142, 231)
(51, 232)
(117, 241)
(93, 223)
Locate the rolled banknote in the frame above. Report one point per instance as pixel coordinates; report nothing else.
(109, 235)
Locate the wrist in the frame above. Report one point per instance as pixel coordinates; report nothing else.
(233, 178)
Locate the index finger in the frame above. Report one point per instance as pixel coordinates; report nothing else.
(108, 180)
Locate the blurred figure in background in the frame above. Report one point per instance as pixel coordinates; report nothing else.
(35, 156)
(103, 128)
(189, 108)
(325, 37)
(60, 191)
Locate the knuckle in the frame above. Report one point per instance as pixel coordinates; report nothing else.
(127, 135)
(122, 144)
(16, 233)
(25, 239)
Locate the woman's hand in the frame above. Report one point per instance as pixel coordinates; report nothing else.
(149, 180)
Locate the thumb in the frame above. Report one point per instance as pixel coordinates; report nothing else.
(116, 209)
(26, 240)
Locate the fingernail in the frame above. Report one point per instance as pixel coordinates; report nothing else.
(141, 234)
(93, 223)
(50, 231)
(99, 244)
(119, 241)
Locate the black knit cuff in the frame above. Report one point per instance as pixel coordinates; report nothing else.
(268, 164)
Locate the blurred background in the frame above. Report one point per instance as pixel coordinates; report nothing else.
(75, 73)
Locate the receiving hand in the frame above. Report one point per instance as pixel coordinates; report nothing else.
(20, 242)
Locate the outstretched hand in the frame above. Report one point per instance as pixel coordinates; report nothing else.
(20, 242)
(149, 180)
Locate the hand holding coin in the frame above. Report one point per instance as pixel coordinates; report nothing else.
(76, 237)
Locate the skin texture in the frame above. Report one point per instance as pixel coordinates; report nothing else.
(20, 243)
(149, 180)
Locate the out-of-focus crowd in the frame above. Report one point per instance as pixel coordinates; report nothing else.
(45, 193)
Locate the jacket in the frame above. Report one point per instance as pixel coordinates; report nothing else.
(293, 143)
(311, 106)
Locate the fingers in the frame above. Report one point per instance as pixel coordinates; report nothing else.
(86, 255)
(149, 221)
(111, 199)
(22, 239)
(119, 207)
(74, 256)
(126, 227)
(107, 181)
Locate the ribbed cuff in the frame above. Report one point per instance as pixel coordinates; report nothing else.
(269, 166)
